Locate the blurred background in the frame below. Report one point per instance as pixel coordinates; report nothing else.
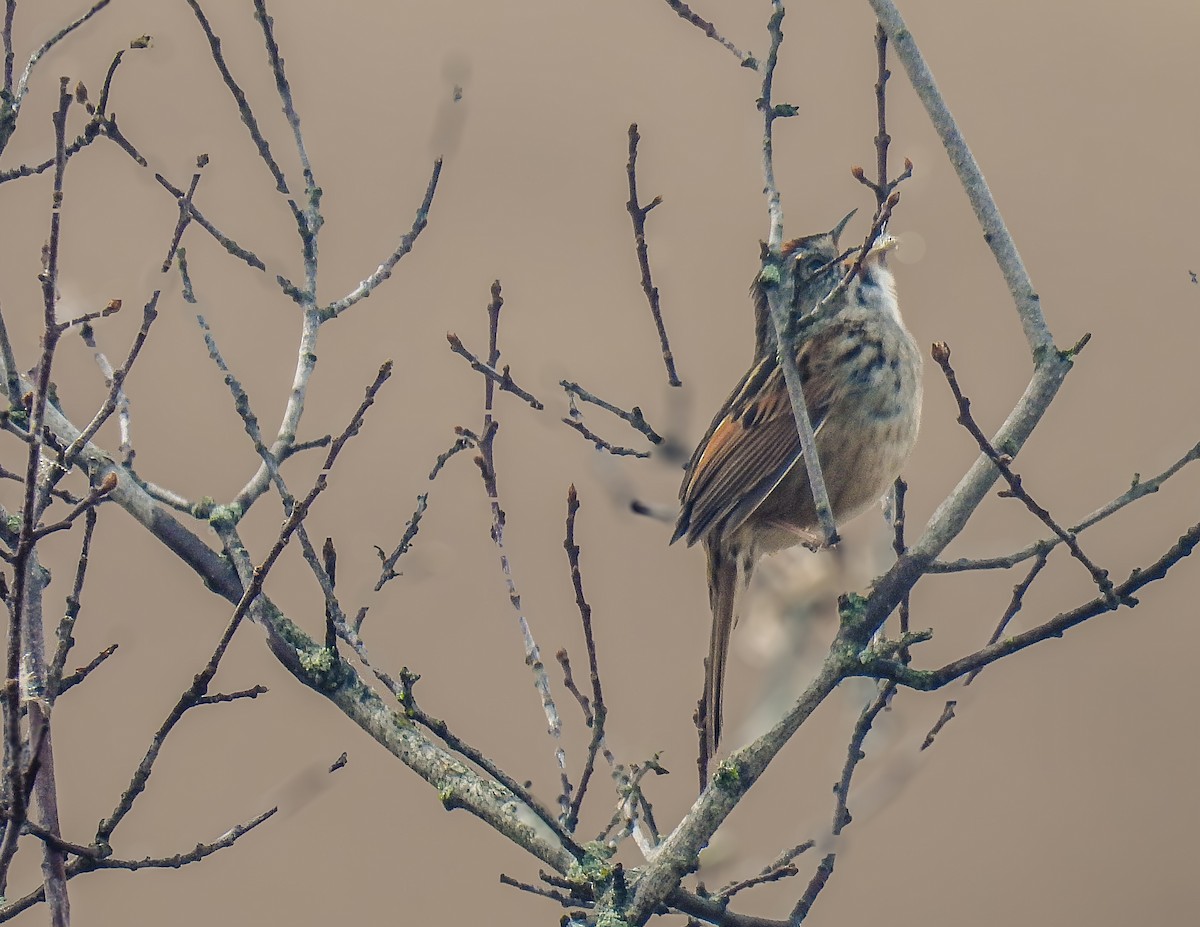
(1062, 793)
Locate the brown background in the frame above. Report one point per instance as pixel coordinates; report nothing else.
(1064, 793)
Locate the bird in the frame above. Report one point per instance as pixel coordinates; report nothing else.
(745, 491)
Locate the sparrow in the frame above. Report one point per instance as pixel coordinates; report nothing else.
(745, 491)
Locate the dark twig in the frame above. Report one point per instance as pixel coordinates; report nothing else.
(410, 532)
(115, 386)
(94, 498)
(185, 214)
(899, 494)
(221, 697)
(634, 417)
(599, 711)
(638, 214)
(10, 11)
(928, 680)
(329, 564)
(243, 106)
(1138, 489)
(941, 354)
(815, 885)
(113, 307)
(485, 460)
(464, 440)
(1014, 606)
(230, 246)
(785, 871)
(685, 12)
(84, 671)
(501, 378)
(585, 703)
(54, 680)
(780, 868)
(855, 754)
(945, 718)
(600, 443)
(564, 900)
(25, 584)
(882, 138)
(93, 860)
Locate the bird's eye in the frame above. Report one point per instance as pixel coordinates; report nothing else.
(811, 264)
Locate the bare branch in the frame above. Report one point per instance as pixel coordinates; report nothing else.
(634, 417)
(685, 12)
(364, 289)
(501, 378)
(995, 232)
(941, 354)
(638, 214)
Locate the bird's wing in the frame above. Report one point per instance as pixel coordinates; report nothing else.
(753, 443)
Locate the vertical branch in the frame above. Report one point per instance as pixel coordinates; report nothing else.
(780, 295)
(487, 468)
(638, 214)
(882, 139)
(24, 639)
(10, 10)
(774, 203)
(995, 232)
(309, 218)
(599, 711)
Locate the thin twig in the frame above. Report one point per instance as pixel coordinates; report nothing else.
(600, 443)
(485, 460)
(929, 680)
(26, 586)
(634, 417)
(231, 247)
(599, 711)
(185, 214)
(685, 12)
(780, 295)
(638, 214)
(1138, 489)
(388, 571)
(899, 494)
(115, 386)
(501, 378)
(54, 677)
(1014, 606)
(243, 106)
(367, 286)
(815, 885)
(855, 754)
(941, 354)
(84, 671)
(564, 900)
(22, 86)
(995, 232)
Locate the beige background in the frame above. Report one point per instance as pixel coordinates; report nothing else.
(1064, 793)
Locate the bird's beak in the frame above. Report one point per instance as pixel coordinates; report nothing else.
(882, 246)
(836, 233)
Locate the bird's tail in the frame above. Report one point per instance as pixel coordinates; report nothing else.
(722, 588)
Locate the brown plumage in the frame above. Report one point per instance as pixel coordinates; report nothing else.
(746, 492)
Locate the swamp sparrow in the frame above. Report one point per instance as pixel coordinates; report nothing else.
(745, 491)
